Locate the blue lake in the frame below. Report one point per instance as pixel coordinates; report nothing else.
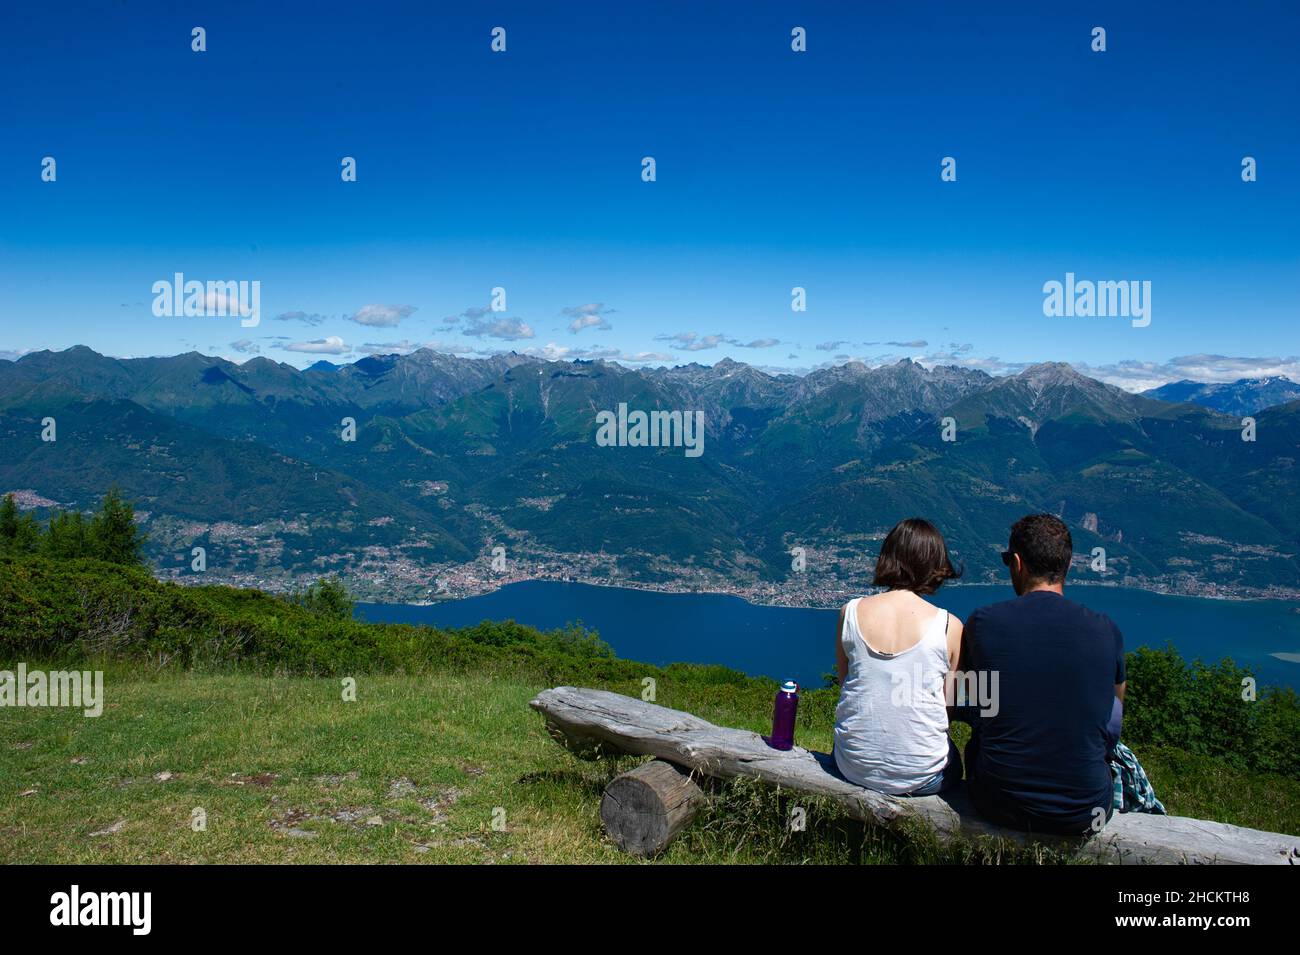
(791, 643)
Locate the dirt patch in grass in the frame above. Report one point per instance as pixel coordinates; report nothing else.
(401, 788)
(257, 779)
(334, 780)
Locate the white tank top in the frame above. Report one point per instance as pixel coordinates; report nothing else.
(891, 723)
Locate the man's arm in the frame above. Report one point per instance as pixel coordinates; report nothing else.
(1121, 668)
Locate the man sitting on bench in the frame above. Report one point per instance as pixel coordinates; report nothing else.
(1040, 760)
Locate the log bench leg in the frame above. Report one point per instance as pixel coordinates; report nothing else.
(643, 810)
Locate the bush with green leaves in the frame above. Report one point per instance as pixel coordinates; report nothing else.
(74, 609)
(327, 598)
(1208, 709)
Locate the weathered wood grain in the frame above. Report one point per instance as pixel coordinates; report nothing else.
(643, 810)
(596, 722)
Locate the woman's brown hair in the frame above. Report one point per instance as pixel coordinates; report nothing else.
(914, 557)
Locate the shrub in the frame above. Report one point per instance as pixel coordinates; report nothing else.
(1199, 708)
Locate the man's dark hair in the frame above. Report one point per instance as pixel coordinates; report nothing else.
(1044, 545)
(914, 557)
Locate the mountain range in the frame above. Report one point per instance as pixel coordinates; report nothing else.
(455, 456)
(1246, 396)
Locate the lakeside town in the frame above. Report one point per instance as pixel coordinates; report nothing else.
(827, 580)
(821, 576)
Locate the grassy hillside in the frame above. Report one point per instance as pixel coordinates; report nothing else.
(413, 771)
(232, 702)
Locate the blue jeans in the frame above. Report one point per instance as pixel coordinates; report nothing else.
(944, 779)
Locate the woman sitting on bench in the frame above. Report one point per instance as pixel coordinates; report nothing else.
(895, 651)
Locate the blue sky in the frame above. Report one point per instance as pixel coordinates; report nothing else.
(775, 169)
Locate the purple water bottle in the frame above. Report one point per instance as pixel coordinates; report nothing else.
(787, 704)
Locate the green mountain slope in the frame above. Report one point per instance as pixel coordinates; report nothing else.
(453, 456)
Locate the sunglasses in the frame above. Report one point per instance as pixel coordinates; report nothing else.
(1006, 557)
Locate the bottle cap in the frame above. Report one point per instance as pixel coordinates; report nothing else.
(789, 686)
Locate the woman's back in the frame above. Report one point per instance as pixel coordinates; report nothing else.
(891, 723)
(893, 621)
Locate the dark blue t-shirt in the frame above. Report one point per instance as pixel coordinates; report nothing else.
(1040, 762)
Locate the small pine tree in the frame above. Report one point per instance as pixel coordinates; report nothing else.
(8, 522)
(113, 535)
(19, 533)
(326, 598)
(28, 539)
(67, 537)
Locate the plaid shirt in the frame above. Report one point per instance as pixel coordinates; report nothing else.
(1133, 791)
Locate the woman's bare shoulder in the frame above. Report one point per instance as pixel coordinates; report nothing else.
(874, 606)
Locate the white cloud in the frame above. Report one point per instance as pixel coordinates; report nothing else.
(591, 315)
(216, 302)
(554, 352)
(246, 346)
(591, 308)
(1218, 369)
(333, 345)
(507, 329)
(382, 316)
(691, 341)
(307, 318)
(404, 347)
(472, 314)
(917, 343)
(588, 321)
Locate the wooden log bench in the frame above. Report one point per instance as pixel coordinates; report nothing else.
(644, 809)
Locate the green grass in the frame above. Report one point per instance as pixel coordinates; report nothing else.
(1206, 788)
(432, 761)
(230, 701)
